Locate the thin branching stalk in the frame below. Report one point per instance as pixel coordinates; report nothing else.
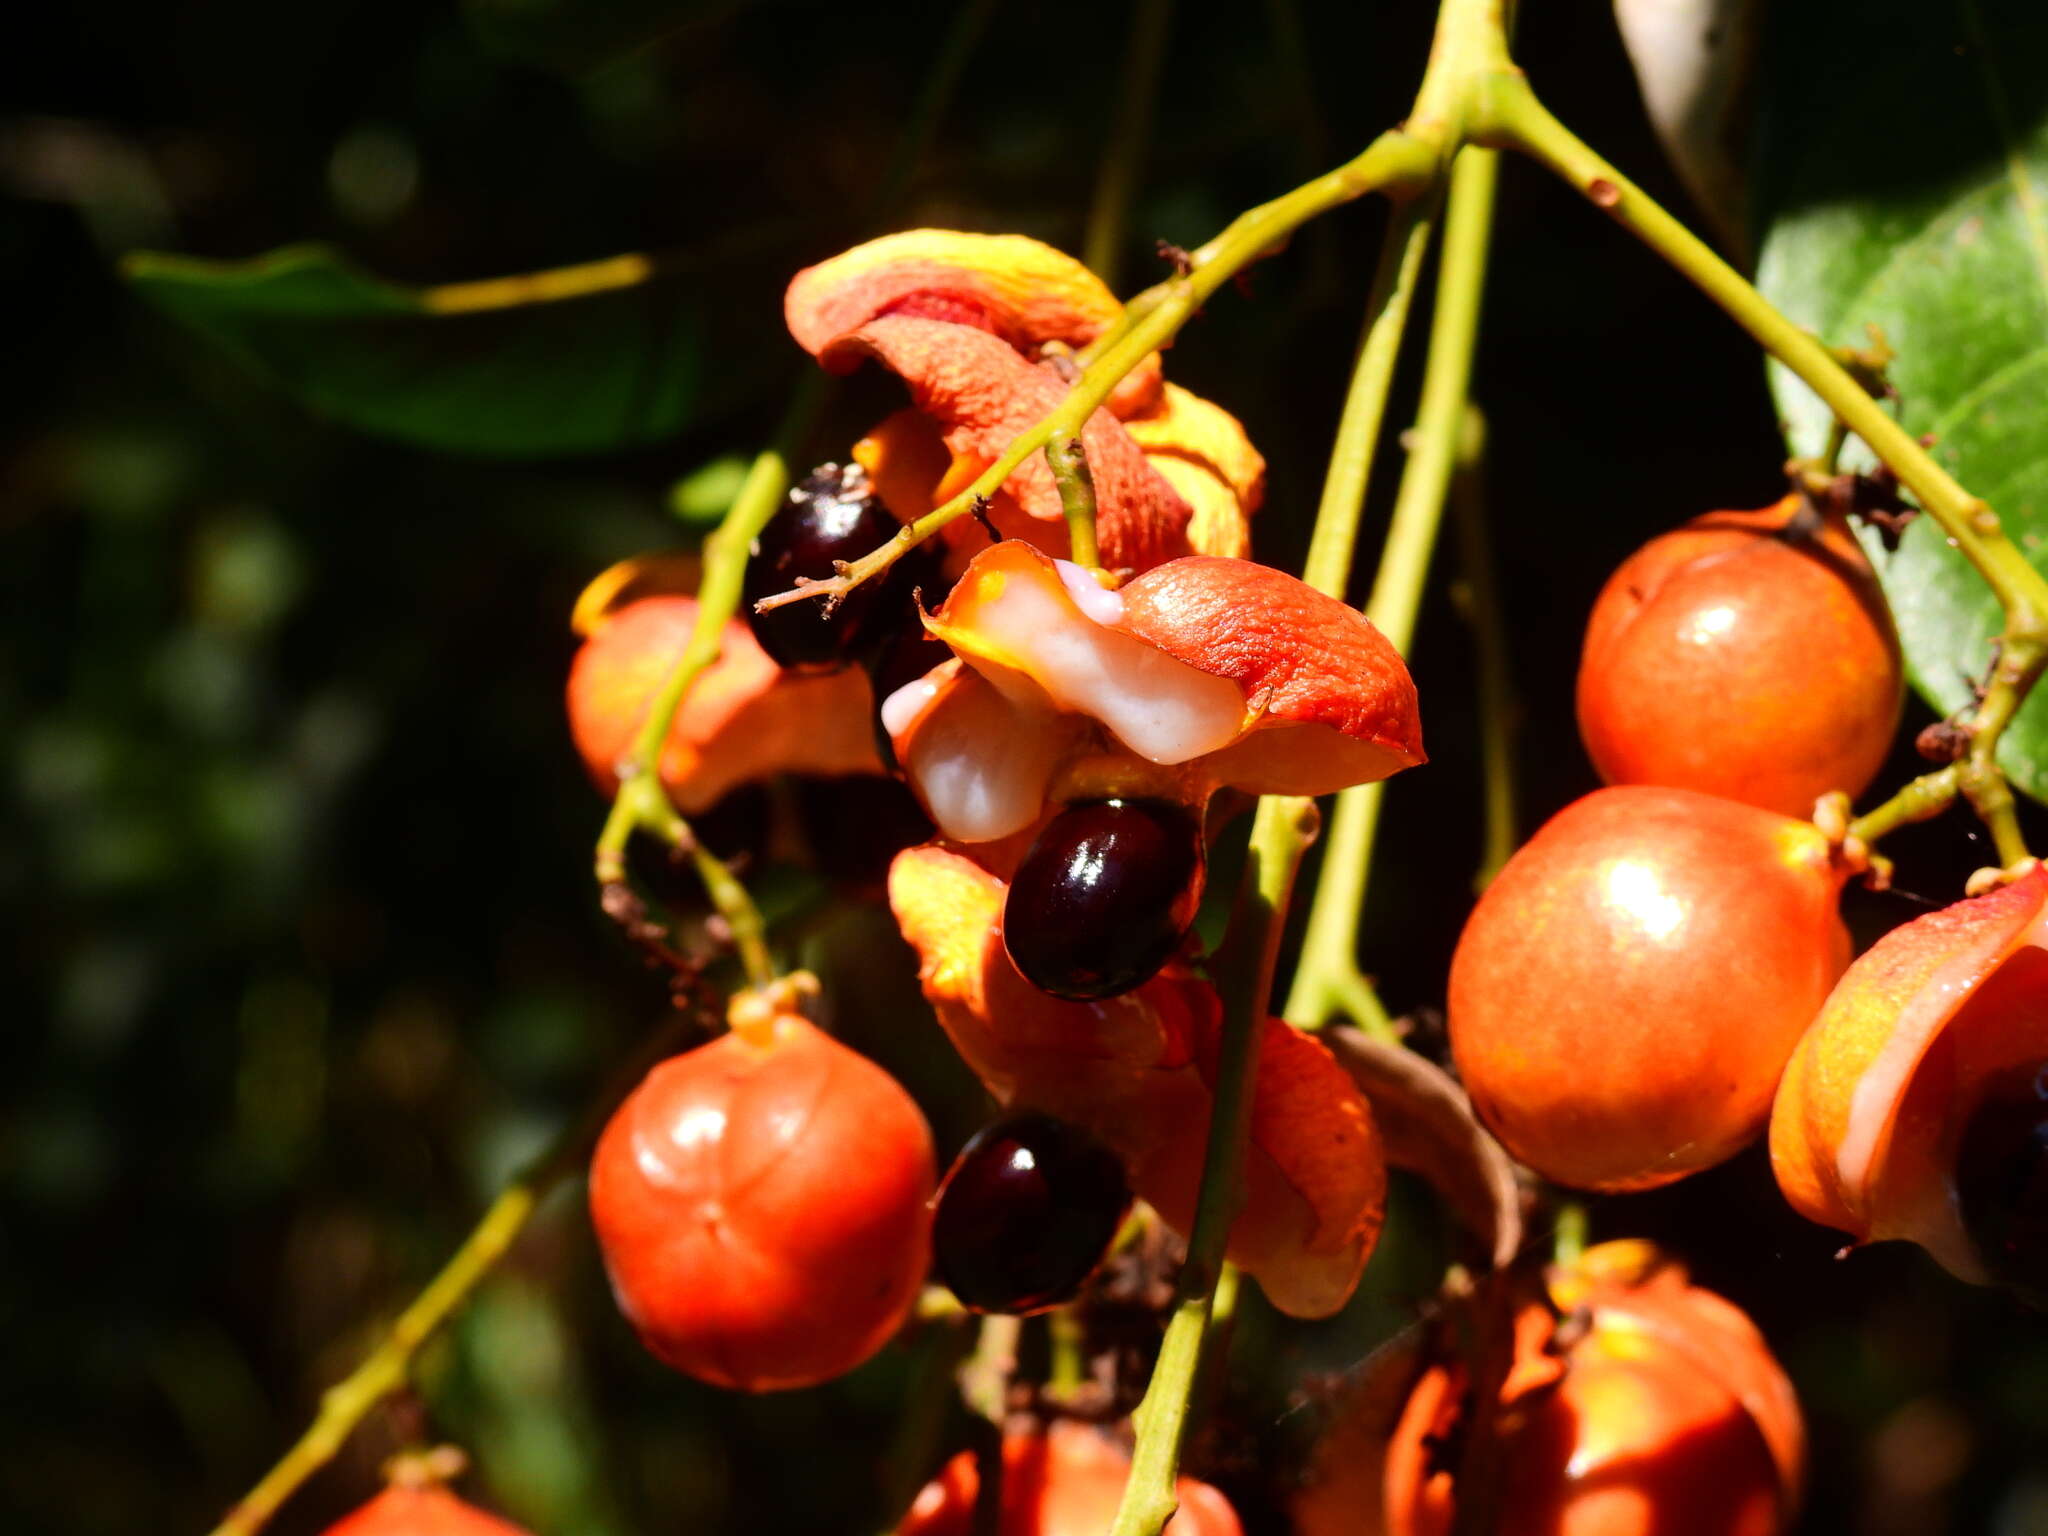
(1327, 980)
(384, 1370)
(1510, 116)
(1281, 829)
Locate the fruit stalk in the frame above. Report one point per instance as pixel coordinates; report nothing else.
(1281, 831)
(383, 1371)
(1068, 461)
(1511, 117)
(1397, 162)
(642, 804)
(1327, 981)
(1478, 599)
(1409, 229)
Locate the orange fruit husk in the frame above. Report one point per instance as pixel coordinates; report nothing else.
(1863, 1127)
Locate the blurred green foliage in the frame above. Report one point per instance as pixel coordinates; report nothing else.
(304, 953)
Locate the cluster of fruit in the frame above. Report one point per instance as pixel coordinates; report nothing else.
(1626, 997)
(1623, 1003)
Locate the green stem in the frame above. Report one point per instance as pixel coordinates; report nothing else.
(1568, 1241)
(1281, 830)
(384, 1370)
(1395, 160)
(985, 1378)
(1439, 418)
(1124, 155)
(1327, 980)
(1068, 461)
(642, 804)
(1510, 116)
(1328, 567)
(1927, 796)
(1482, 608)
(1067, 1339)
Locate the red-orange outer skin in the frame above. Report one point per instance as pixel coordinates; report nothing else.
(1066, 1482)
(763, 1208)
(1725, 659)
(743, 719)
(983, 394)
(1625, 994)
(1668, 1418)
(399, 1511)
(1925, 976)
(1310, 658)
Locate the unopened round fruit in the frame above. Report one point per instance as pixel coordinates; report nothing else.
(1651, 1408)
(1026, 1213)
(1748, 655)
(1104, 896)
(762, 1204)
(1065, 1482)
(1626, 993)
(426, 1511)
(833, 515)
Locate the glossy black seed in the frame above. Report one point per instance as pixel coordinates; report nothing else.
(2001, 1178)
(1026, 1213)
(832, 515)
(1104, 897)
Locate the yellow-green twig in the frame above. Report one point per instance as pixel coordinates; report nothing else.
(1327, 980)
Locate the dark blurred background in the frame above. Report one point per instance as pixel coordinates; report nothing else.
(304, 951)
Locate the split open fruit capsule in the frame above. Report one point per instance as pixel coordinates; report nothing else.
(1118, 714)
(743, 720)
(1916, 1106)
(1657, 1410)
(1746, 654)
(1625, 994)
(762, 1205)
(1064, 1482)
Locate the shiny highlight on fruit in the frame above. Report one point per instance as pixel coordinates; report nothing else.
(1746, 654)
(1026, 1213)
(1625, 994)
(1104, 896)
(762, 1204)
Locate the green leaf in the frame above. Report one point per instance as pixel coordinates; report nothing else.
(576, 360)
(1905, 186)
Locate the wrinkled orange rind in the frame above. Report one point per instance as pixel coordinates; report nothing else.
(1863, 1124)
(743, 719)
(983, 396)
(1137, 1070)
(1020, 290)
(1204, 454)
(968, 322)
